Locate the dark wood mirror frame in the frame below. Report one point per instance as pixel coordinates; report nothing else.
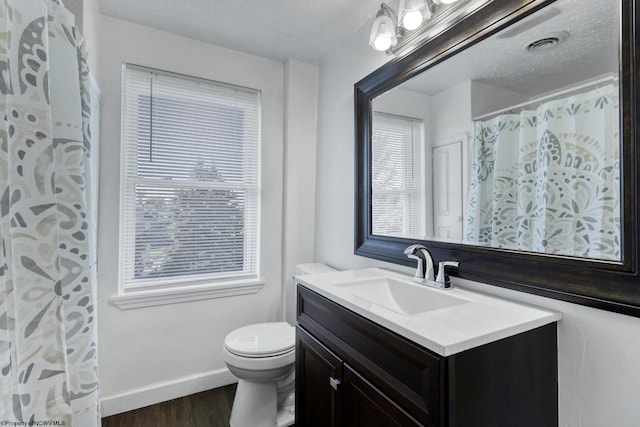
(613, 286)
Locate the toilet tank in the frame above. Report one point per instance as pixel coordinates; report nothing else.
(312, 268)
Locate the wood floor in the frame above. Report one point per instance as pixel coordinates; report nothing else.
(210, 408)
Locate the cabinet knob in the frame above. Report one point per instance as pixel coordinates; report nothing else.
(334, 383)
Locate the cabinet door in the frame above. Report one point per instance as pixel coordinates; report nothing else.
(318, 383)
(366, 406)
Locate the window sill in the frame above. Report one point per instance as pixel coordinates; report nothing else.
(148, 298)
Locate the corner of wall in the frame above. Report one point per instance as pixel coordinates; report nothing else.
(300, 136)
(91, 30)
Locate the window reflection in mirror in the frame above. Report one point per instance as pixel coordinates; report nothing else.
(520, 140)
(398, 204)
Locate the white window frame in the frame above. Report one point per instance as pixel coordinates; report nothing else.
(414, 161)
(154, 291)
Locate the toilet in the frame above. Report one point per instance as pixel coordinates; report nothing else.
(262, 357)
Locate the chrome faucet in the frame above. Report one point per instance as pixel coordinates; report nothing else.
(424, 271)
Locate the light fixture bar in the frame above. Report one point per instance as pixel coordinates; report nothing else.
(416, 22)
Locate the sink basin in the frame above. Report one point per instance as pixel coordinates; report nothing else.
(443, 321)
(398, 296)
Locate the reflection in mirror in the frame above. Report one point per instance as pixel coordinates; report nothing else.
(513, 143)
(398, 175)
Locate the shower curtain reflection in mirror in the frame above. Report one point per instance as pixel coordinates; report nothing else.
(548, 179)
(48, 334)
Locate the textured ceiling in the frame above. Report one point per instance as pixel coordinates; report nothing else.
(301, 29)
(309, 30)
(590, 51)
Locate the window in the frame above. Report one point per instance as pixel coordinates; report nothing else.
(190, 180)
(398, 183)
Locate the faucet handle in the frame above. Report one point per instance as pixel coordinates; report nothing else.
(443, 277)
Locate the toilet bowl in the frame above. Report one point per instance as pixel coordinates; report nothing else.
(262, 357)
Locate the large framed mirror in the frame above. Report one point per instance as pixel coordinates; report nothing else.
(508, 143)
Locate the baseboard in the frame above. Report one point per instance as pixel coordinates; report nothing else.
(163, 391)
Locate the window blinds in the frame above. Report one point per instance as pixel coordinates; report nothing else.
(397, 176)
(190, 179)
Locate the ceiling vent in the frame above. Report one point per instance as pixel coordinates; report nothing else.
(548, 41)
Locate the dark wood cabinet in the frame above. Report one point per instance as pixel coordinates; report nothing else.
(351, 371)
(332, 394)
(366, 406)
(318, 391)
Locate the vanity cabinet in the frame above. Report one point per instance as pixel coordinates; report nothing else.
(334, 394)
(351, 371)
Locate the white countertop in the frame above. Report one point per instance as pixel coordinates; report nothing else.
(481, 319)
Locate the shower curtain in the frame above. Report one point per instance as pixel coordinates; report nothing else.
(548, 180)
(48, 358)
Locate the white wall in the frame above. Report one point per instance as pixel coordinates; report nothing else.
(599, 373)
(451, 108)
(405, 103)
(486, 99)
(301, 114)
(335, 173)
(152, 354)
(90, 30)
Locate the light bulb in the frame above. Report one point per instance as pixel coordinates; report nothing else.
(382, 43)
(383, 32)
(412, 19)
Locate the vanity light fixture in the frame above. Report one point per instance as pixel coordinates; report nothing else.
(411, 13)
(389, 26)
(383, 33)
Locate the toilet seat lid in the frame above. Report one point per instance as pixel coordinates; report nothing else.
(261, 339)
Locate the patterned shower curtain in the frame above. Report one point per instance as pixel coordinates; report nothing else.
(48, 357)
(548, 180)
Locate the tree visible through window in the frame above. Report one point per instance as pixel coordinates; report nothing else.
(191, 178)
